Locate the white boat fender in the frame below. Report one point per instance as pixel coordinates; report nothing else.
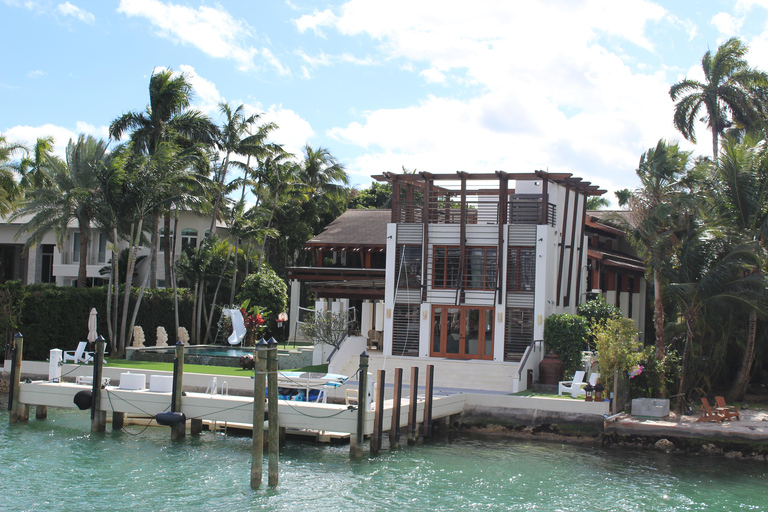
(83, 399)
(168, 419)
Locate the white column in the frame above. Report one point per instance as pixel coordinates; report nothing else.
(366, 318)
(293, 314)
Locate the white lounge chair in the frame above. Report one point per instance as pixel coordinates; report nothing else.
(592, 381)
(572, 386)
(78, 355)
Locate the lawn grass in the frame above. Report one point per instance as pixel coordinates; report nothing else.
(539, 394)
(198, 368)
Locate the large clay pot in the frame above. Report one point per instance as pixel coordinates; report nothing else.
(550, 369)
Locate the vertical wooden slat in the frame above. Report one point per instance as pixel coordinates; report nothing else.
(571, 253)
(562, 245)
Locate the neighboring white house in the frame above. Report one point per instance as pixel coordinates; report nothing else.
(47, 263)
(474, 264)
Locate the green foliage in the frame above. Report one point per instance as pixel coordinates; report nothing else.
(655, 372)
(596, 311)
(567, 336)
(13, 296)
(269, 293)
(57, 316)
(378, 195)
(617, 347)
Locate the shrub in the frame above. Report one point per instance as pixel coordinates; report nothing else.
(269, 293)
(597, 311)
(566, 335)
(617, 347)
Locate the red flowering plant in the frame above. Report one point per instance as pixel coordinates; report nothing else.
(255, 320)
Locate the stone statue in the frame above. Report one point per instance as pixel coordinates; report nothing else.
(162, 336)
(138, 336)
(183, 335)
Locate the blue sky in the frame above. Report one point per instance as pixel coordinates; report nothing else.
(577, 86)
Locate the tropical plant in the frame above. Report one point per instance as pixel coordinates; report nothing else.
(167, 119)
(32, 168)
(567, 336)
(729, 93)
(70, 196)
(652, 218)
(617, 347)
(9, 190)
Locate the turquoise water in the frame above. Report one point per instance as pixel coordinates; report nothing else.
(57, 464)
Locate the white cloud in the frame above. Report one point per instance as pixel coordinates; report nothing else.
(210, 29)
(68, 9)
(36, 73)
(60, 134)
(433, 75)
(293, 131)
(727, 24)
(540, 89)
(207, 95)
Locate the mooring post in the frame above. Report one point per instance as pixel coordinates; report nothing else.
(41, 412)
(615, 400)
(178, 430)
(394, 431)
(257, 451)
(273, 439)
(413, 407)
(428, 401)
(378, 415)
(118, 420)
(356, 443)
(98, 417)
(13, 393)
(195, 426)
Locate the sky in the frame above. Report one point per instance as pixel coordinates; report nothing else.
(576, 86)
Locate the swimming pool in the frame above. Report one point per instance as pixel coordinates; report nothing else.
(217, 355)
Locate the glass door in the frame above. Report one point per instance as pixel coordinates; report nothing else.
(462, 332)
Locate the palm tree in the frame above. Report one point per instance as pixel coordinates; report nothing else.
(69, 196)
(235, 138)
(728, 93)
(9, 190)
(653, 215)
(597, 203)
(740, 192)
(32, 168)
(167, 118)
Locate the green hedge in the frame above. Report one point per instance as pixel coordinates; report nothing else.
(57, 316)
(567, 336)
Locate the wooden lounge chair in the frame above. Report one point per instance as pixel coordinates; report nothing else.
(707, 414)
(724, 410)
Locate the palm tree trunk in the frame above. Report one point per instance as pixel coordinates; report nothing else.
(741, 382)
(135, 237)
(658, 324)
(173, 274)
(167, 245)
(215, 294)
(715, 145)
(85, 242)
(154, 240)
(115, 258)
(684, 362)
(234, 274)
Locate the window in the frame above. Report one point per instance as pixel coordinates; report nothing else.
(521, 270)
(481, 268)
(75, 247)
(102, 248)
(408, 267)
(446, 267)
(188, 238)
(479, 265)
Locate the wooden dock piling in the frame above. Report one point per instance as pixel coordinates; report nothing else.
(413, 435)
(273, 439)
(394, 431)
(178, 430)
(16, 409)
(428, 401)
(378, 418)
(356, 441)
(98, 417)
(257, 451)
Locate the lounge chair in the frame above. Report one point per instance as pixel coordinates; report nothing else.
(707, 414)
(572, 386)
(724, 410)
(78, 355)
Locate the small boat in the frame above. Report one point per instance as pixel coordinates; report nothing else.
(307, 386)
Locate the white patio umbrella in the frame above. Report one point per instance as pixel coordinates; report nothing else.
(92, 325)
